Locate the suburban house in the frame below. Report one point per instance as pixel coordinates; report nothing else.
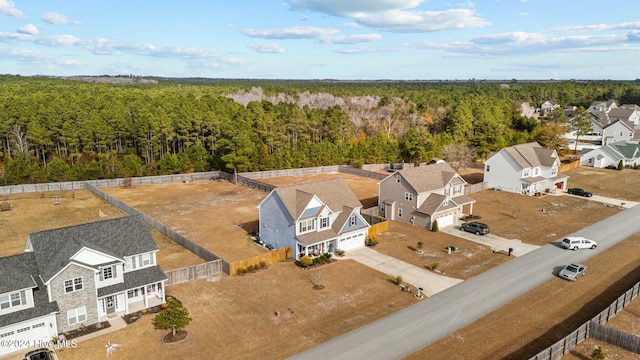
(77, 276)
(548, 107)
(616, 131)
(602, 106)
(313, 218)
(625, 114)
(423, 194)
(524, 169)
(611, 155)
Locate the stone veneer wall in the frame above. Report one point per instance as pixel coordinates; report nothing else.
(85, 297)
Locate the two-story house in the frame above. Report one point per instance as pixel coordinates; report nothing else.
(525, 169)
(423, 194)
(313, 218)
(616, 131)
(80, 275)
(548, 107)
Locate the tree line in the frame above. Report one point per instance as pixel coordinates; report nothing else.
(54, 129)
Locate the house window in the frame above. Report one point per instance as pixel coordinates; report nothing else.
(399, 212)
(536, 171)
(554, 171)
(129, 263)
(408, 196)
(488, 168)
(77, 315)
(352, 220)
(13, 300)
(307, 225)
(106, 273)
(132, 293)
(457, 190)
(324, 223)
(526, 172)
(382, 208)
(398, 177)
(72, 285)
(145, 259)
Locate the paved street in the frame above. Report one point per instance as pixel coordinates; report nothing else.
(412, 328)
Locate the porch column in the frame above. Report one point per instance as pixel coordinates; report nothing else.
(471, 209)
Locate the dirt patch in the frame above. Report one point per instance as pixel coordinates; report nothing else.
(620, 184)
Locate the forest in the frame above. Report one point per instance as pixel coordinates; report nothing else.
(58, 129)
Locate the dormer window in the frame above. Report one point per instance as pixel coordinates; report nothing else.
(536, 171)
(352, 220)
(145, 259)
(12, 300)
(106, 273)
(307, 225)
(408, 196)
(324, 222)
(526, 172)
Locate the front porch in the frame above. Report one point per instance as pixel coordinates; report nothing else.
(130, 301)
(316, 250)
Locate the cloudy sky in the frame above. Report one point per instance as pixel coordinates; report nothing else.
(323, 39)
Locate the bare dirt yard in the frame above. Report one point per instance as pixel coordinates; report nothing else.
(620, 184)
(37, 212)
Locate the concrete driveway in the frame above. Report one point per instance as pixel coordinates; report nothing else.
(496, 243)
(430, 282)
(603, 199)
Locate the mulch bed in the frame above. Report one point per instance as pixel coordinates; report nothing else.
(179, 336)
(84, 330)
(133, 317)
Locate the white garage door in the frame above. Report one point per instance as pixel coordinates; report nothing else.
(351, 242)
(445, 220)
(23, 336)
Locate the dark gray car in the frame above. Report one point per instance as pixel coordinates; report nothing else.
(475, 227)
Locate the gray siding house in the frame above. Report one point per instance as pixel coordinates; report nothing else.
(611, 155)
(424, 194)
(312, 218)
(524, 169)
(77, 276)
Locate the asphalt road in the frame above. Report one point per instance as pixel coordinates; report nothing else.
(412, 328)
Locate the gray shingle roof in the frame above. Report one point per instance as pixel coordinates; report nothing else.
(135, 279)
(332, 192)
(531, 155)
(428, 178)
(116, 237)
(24, 266)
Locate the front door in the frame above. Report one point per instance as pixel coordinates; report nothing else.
(110, 304)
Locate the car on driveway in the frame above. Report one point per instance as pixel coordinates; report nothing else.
(475, 227)
(39, 354)
(578, 242)
(572, 271)
(579, 192)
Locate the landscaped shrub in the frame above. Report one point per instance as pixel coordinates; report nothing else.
(420, 245)
(241, 271)
(434, 227)
(340, 252)
(398, 280)
(372, 240)
(306, 261)
(434, 266)
(620, 165)
(263, 264)
(256, 267)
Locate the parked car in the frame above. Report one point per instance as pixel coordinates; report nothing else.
(572, 271)
(579, 192)
(578, 242)
(475, 227)
(39, 354)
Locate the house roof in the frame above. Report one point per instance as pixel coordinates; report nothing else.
(116, 237)
(621, 112)
(429, 177)
(434, 203)
(627, 149)
(18, 271)
(334, 193)
(530, 155)
(135, 279)
(338, 224)
(627, 123)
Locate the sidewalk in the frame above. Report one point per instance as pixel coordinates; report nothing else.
(116, 323)
(430, 282)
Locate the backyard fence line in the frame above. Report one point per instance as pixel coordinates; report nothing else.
(76, 185)
(615, 337)
(290, 172)
(470, 189)
(193, 247)
(362, 172)
(268, 258)
(194, 272)
(566, 344)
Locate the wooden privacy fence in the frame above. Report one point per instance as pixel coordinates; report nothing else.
(568, 166)
(615, 337)
(194, 272)
(563, 346)
(269, 258)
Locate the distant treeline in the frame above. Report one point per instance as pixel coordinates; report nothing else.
(54, 129)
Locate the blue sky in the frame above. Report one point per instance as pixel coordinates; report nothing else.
(323, 39)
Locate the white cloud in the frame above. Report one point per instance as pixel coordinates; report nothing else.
(635, 25)
(395, 15)
(351, 39)
(7, 7)
(297, 32)
(267, 48)
(524, 13)
(56, 19)
(29, 29)
(23, 55)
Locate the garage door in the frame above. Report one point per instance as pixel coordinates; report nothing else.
(23, 336)
(445, 220)
(351, 242)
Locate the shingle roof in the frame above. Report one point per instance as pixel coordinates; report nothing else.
(22, 270)
(429, 177)
(531, 155)
(621, 112)
(116, 237)
(135, 279)
(334, 193)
